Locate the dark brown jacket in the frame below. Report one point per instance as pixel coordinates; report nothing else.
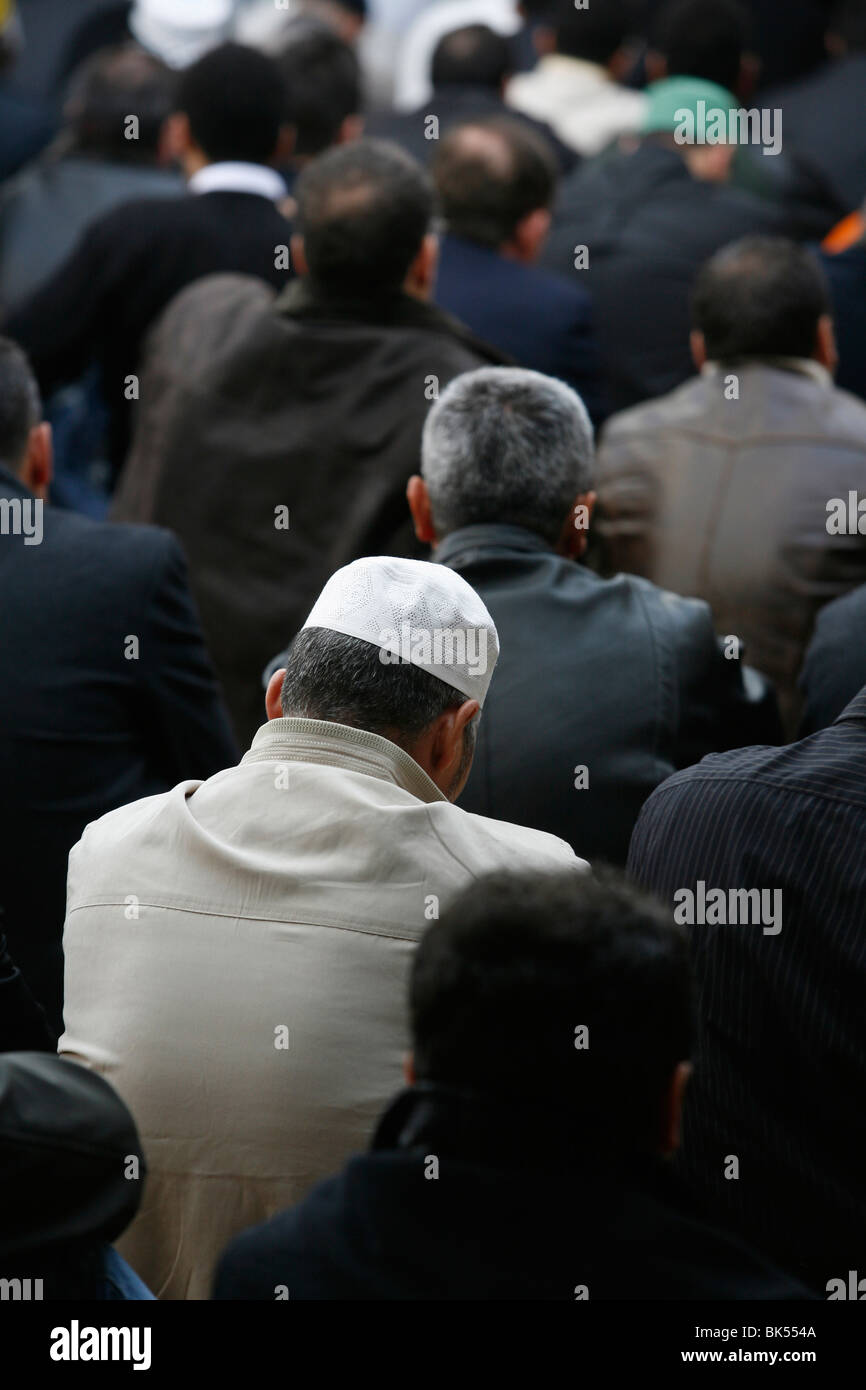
(252, 404)
(726, 500)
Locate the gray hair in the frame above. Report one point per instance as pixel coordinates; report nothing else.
(506, 445)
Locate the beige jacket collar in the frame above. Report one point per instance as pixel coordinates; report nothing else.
(337, 745)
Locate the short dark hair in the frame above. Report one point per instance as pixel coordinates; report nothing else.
(848, 22)
(234, 100)
(703, 40)
(322, 79)
(474, 56)
(518, 963)
(489, 175)
(20, 406)
(363, 211)
(594, 33)
(105, 90)
(341, 680)
(760, 297)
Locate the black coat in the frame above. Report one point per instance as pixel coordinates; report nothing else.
(517, 1212)
(613, 675)
(276, 437)
(649, 226)
(834, 670)
(99, 304)
(780, 1070)
(822, 120)
(846, 273)
(543, 321)
(85, 728)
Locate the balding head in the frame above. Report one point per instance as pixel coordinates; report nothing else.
(364, 210)
(491, 176)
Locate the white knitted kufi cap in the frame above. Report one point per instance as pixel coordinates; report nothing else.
(414, 611)
(180, 31)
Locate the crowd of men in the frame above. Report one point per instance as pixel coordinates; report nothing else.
(432, 603)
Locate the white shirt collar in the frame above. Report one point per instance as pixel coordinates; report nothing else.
(236, 176)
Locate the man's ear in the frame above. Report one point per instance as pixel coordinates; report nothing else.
(351, 128)
(409, 1069)
(826, 351)
(38, 467)
(529, 236)
(421, 276)
(285, 146)
(273, 708)
(176, 137)
(419, 505)
(699, 348)
(672, 1109)
(573, 541)
(655, 65)
(446, 746)
(297, 254)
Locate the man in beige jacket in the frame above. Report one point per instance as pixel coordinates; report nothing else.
(237, 950)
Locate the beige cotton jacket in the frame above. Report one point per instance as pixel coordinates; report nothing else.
(236, 966)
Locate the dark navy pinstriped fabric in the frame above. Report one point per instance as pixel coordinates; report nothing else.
(780, 1078)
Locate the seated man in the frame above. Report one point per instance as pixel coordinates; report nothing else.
(760, 852)
(98, 305)
(277, 434)
(625, 682)
(237, 950)
(496, 183)
(725, 489)
(551, 1030)
(108, 693)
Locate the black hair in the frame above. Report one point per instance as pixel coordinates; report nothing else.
(363, 210)
(20, 406)
(701, 39)
(322, 79)
(848, 22)
(760, 297)
(234, 100)
(594, 33)
(489, 175)
(474, 56)
(503, 987)
(342, 680)
(108, 87)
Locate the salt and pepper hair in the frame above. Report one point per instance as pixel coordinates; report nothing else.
(506, 445)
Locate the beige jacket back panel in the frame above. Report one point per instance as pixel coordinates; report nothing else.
(277, 902)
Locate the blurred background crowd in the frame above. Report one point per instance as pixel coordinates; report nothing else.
(285, 288)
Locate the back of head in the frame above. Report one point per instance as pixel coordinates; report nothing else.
(847, 26)
(508, 446)
(474, 56)
(489, 176)
(595, 33)
(341, 679)
(502, 986)
(697, 39)
(234, 100)
(20, 406)
(322, 79)
(760, 297)
(105, 90)
(363, 209)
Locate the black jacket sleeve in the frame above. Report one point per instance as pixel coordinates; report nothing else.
(723, 703)
(23, 1025)
(184, 707)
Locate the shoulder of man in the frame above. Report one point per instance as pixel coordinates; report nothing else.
(484, 845)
